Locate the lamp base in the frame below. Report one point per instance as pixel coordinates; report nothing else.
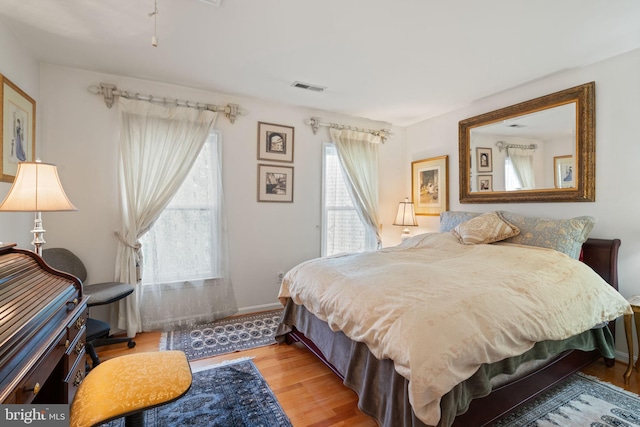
(38, 234)
(405, 234)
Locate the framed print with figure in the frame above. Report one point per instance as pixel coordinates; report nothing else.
(564, 176)
(18, 124)
(275, 183)
(484, 159)
(275, 142)
(430, 185)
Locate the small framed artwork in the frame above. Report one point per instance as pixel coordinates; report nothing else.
(275, 183)
(485, 182)
(430, 185)
(484, 160)
(18, 125)
(275, 142)
(564, 176)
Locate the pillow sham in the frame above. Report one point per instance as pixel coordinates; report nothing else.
(486, 228)
(450, 219)
(563, 235)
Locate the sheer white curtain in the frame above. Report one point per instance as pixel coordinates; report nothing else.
(522, 162)
(185, 280)
(358, 154)
(158, 146)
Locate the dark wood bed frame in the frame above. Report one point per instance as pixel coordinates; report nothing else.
(602, 256)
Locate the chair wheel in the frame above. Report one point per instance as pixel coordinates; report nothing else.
(131, 344)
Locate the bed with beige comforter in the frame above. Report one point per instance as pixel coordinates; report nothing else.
(439, 309)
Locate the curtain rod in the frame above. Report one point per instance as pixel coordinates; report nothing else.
(109, 92)
(502, 146)
(315, 123)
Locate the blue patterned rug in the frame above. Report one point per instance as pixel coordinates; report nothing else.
(230, 394)
(581, 400)
(223, 336)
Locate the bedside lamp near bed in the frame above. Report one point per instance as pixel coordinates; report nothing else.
(405, 217)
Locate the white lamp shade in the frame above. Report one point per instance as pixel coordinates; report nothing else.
(406, 215)
(36, 188)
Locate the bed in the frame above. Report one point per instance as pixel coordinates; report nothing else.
(421, 332)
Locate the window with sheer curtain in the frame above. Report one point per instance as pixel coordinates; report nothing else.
(342, 229)
(185, 275)
(180, 244)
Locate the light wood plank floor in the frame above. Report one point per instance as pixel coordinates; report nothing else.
(310, 394)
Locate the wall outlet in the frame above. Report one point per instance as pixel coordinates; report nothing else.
(280, 276)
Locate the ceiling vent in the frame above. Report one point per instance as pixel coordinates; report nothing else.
(307, 86)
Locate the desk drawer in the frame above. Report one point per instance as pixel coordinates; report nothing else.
(29, 388)
(75, 377)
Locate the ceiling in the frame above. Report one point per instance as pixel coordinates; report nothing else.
(393, 61)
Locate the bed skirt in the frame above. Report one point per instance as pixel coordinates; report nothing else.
(383, 393)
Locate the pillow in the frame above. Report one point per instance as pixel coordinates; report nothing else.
(450, 219)
(563, 235)
(486, 228)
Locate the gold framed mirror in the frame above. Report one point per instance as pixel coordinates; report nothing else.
(542, 150)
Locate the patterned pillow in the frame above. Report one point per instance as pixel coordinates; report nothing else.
(450, 219)
(563, 235)
(486, 228)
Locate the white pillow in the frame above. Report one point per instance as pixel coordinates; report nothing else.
(486, 228)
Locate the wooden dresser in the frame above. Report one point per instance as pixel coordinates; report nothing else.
(42, 330)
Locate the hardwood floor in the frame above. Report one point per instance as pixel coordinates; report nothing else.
(310, 394)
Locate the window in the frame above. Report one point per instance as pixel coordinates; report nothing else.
(181, 244)
(342, 228)
(512, 182)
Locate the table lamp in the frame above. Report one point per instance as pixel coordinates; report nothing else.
(405, 217)
(36, 188)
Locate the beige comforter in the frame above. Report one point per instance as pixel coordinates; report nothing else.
(440, 309)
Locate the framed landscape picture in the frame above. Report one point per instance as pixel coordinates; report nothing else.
(430, 185)
(275, 142)
(18, 124)
(275, 183)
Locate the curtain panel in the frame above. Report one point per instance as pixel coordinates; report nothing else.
(358, 154)
(158, 146)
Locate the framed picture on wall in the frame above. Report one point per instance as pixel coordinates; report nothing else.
(275, 142)
(275, 183)
(18, 124)
(484, 159)
(485, 182)
(430, 185)
(564, 176)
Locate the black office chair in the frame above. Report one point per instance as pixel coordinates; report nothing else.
(99, 294)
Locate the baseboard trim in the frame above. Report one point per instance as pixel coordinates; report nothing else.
(256, 308)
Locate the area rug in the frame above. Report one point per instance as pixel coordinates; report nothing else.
(230, 394)
(224, 336)
(581, 400)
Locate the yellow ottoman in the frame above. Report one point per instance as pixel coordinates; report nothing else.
(128, 385)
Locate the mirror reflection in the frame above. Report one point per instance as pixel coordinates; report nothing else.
(532, 151)
(541, 150)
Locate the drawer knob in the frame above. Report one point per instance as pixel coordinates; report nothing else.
(36, 389)
(66, 344)
(79, 347)
(78, 379)
(72, 304)
(80, 322)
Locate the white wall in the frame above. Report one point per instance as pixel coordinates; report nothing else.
(22, 69)
(617, 205)
(265, 238)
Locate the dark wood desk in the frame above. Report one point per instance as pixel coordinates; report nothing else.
(42, 330)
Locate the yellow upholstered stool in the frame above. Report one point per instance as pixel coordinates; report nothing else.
(128, 385)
